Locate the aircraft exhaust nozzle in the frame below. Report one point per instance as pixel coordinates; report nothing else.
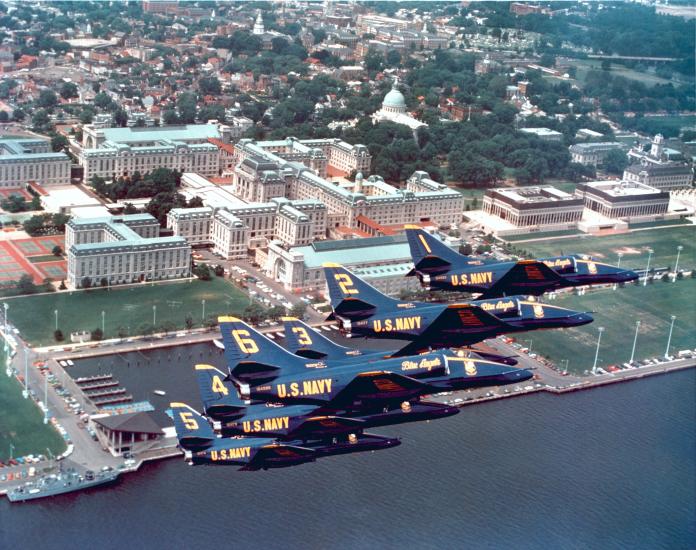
(217, 425)
(245, 391)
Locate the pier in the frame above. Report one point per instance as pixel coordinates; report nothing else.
(94, 392)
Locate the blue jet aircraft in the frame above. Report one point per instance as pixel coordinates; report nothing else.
(438, 267)
(362, 310)
(202, 446)
(266, 372)
(234, 416)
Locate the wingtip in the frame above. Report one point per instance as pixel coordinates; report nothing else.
(330, 264)
(288, 319)
(228, 319)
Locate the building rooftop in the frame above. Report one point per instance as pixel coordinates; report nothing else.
(184, 132)
(138, 422)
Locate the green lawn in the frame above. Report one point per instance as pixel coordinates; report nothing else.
(471, 194)
(634, 246)
(586, 65)
(127, 308)
(21, 422)
(617, 311)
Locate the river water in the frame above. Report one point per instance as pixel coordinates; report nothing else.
(613, 467)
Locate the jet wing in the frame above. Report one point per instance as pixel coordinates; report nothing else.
(525, 277)
(319, 426)
(279, 453)
(463, 323)
(377, 386)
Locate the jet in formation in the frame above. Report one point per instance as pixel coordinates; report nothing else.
(362, 310)
(275, 408)
(438, 267)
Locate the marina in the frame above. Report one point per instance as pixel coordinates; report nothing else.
(164, 368)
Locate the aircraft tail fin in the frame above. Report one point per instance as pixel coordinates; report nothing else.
(350, 296)
(219, 395)
(192, 430)
(429, 254)
(251, 357)
(303, 340)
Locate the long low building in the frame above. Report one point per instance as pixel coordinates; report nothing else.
(382, 261)
(592, 154)
(623, 199)
(123, 249)
(542, 206)
(23, 160)
(111, 152)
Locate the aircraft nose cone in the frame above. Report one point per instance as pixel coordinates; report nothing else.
(582, 319)
(518, 375)
(628, 275)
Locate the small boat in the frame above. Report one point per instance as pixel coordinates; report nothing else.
(159, 392)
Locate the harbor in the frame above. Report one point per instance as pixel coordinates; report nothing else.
(121, 377)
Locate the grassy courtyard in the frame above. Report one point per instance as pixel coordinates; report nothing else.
(21, 422)
(617, 311)
(134, 310)
(633, 245)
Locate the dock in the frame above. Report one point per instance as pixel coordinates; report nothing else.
(104, 389)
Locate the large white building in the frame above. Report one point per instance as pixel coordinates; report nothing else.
(24, 160)
(234, 230)
(262, 173)
(542, 207)
(623, 199)
(654, 169)
(123, 249)
(113, 152)
(394, 110)
(382, 261)
(592, 154)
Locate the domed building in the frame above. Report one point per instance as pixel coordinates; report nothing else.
(394, 110)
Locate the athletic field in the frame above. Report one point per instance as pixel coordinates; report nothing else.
(617, 311)
(21, 421)
(132, 310)
(633, 246)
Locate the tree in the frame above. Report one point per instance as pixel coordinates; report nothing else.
(202, 271)
(615, 161)
(26, 285)
(18, 114)
(466, 249)
(169, 117)
(57, 251)
(276, 312)
(86, 282)
(298, 310)
(97, 334)
(4, 116)
(219, 271)
(47, 99)
(59, 143)
(58, 335)
(254, 313)
(62, 286)
(41, 121)
(68, 90)
(104, 282)
(210, 85)
(122, 332)
(188, 321)
(128, 208)
(103, 101)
